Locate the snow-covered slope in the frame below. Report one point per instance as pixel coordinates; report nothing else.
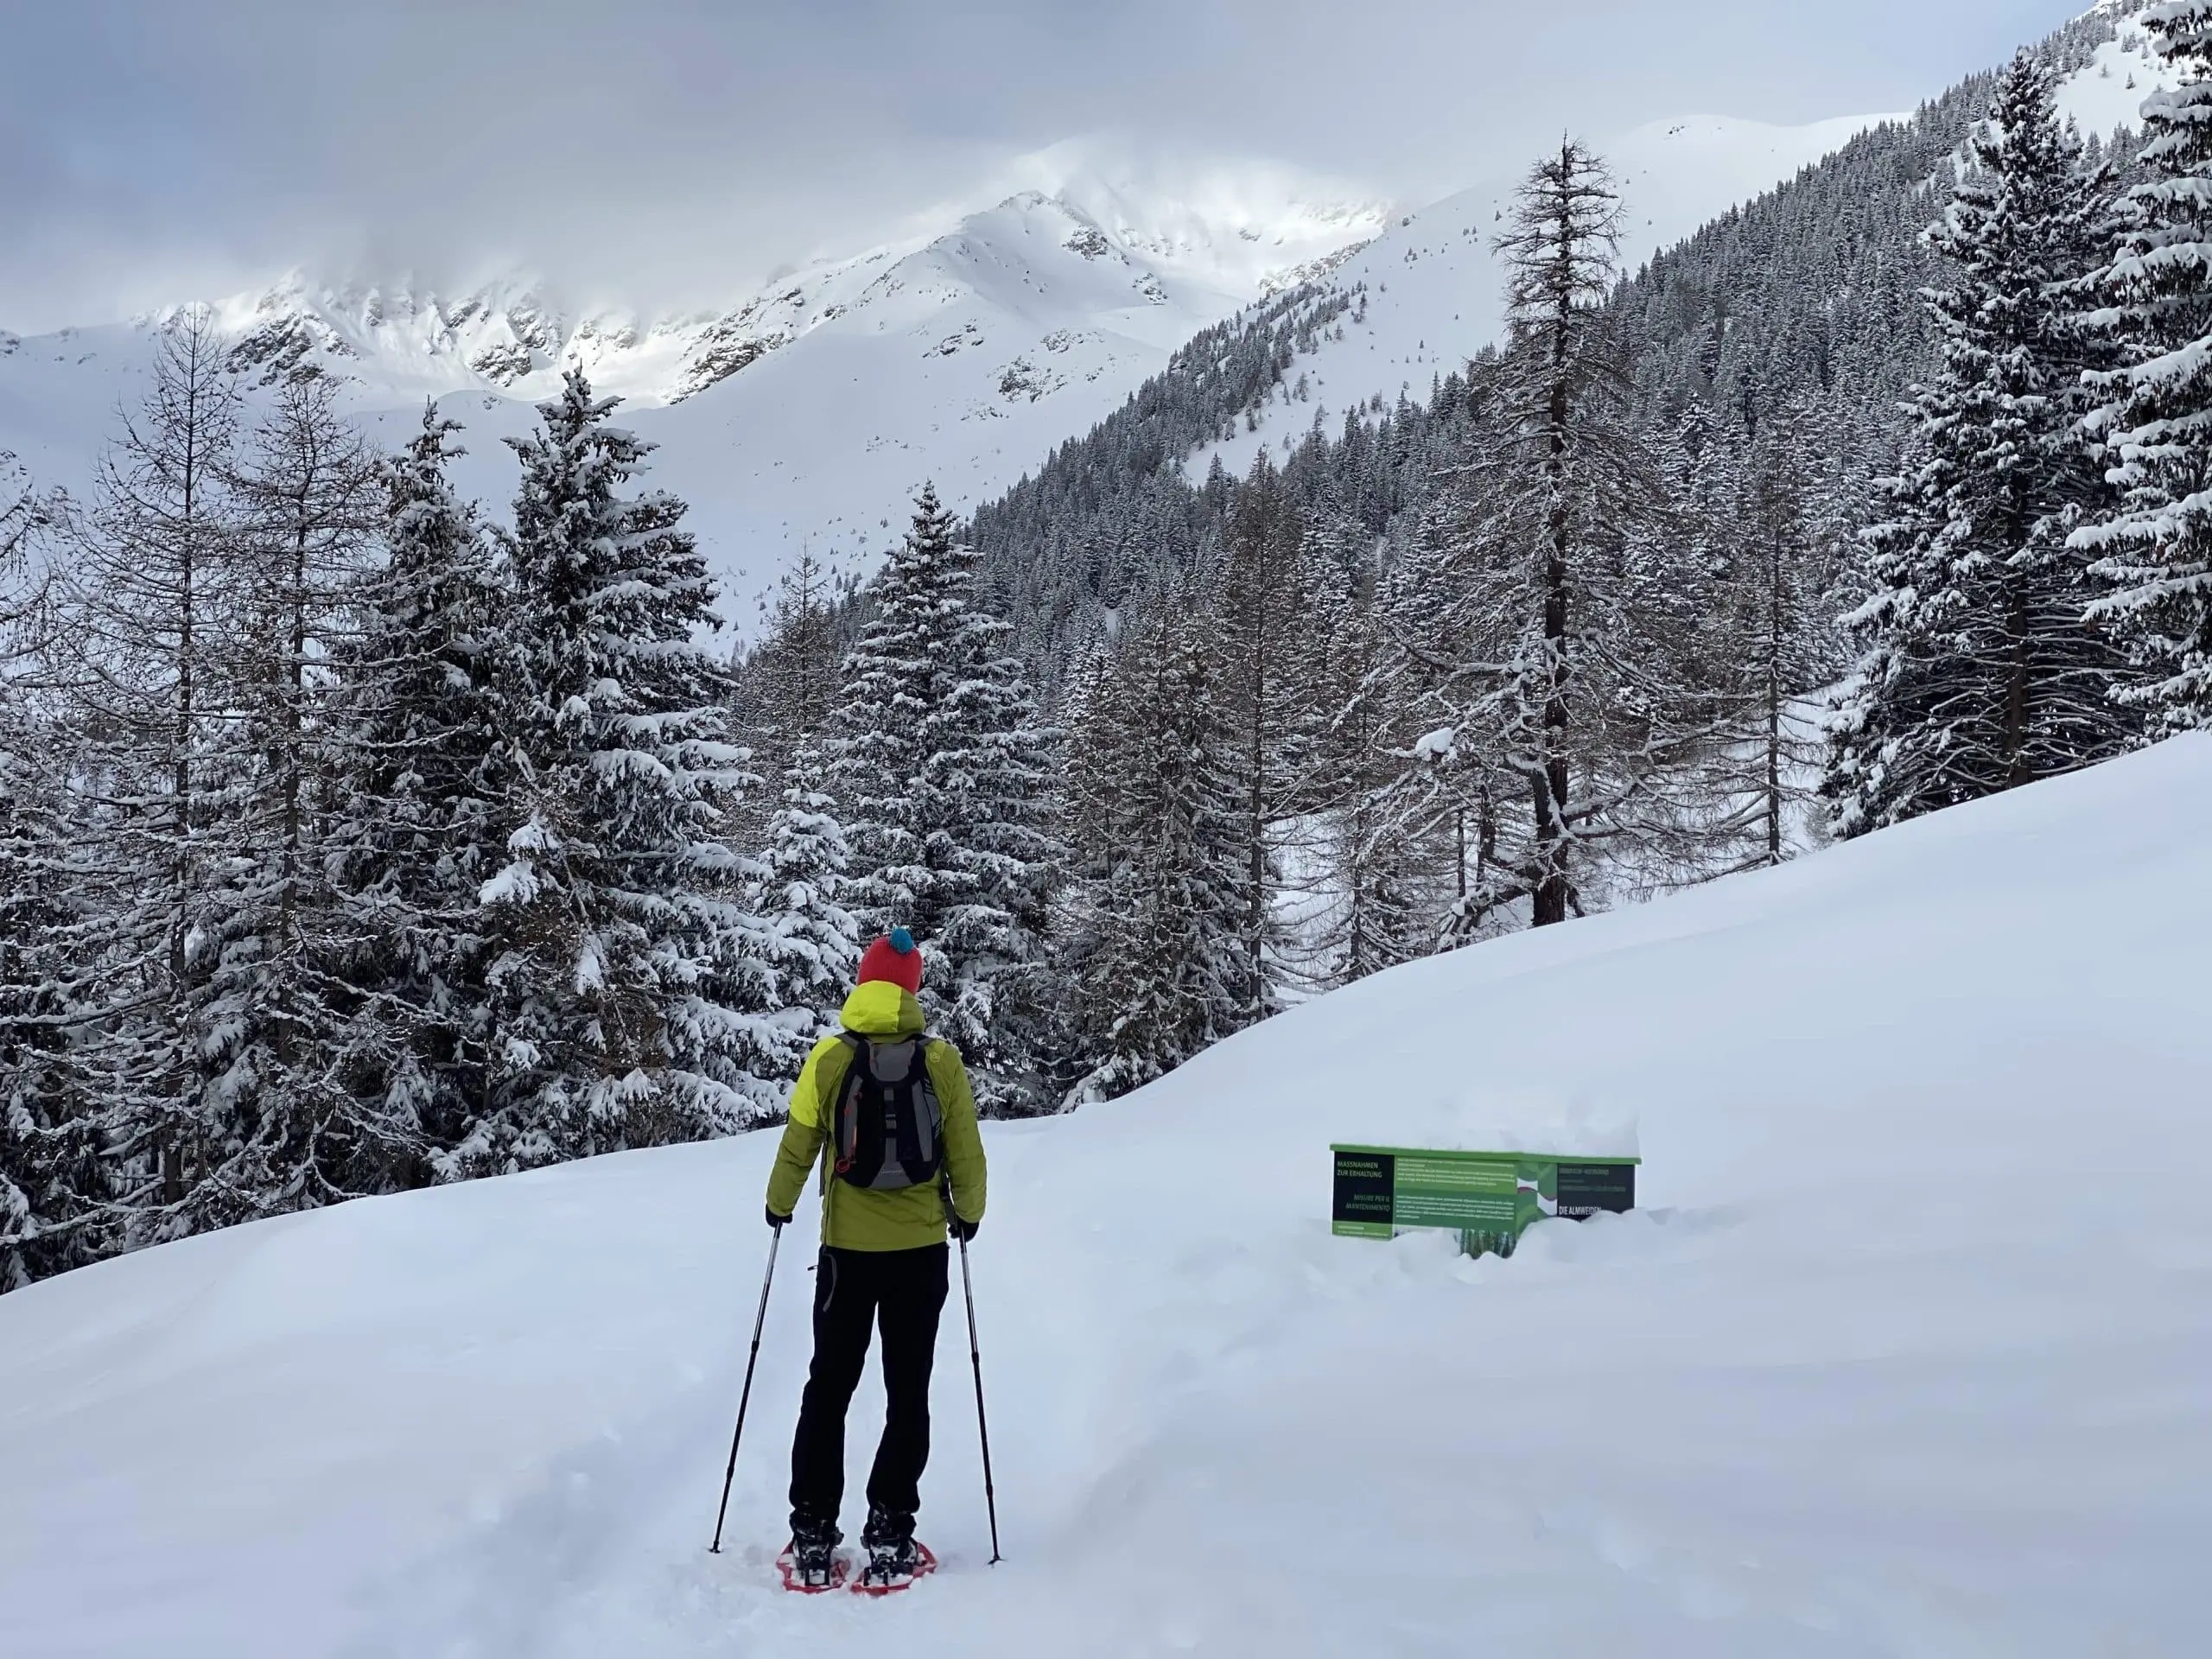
(1434, 289)
(1906, 1353)
(811, 412)
(2107, 93)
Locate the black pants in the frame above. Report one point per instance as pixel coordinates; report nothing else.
(902, 1291)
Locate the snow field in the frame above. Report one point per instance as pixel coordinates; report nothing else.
(1909, 1350)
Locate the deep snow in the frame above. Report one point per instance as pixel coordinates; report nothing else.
(1909, 1351)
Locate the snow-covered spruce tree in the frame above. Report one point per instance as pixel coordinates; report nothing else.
(1735, 593)
(788, 685)
(53, 1170)
(817, 941)
(1439, 623)
(1979, 673)
(947, 783)
(1086, 838)
(633, 999)
(55, 1178)
(1157, 922)
(2156, 414)
(800, 663)
(413, 837)
(21, 512)
(149, 602)
(48, 1160)
(1775, 611)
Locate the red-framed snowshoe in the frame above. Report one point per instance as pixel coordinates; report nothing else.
(841, 1568)
(885, 1576)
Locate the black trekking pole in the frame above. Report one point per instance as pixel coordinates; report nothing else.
(745, 1399)
(975, 1359)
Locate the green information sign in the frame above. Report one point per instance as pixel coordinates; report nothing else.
(1490, 1199)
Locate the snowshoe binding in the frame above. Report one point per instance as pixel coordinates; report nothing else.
(810, 1563)
(894, 1559)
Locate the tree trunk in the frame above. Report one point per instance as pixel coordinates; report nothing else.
(1549, 790)
(2018, 768)
(1774, 701)
(294, 681)
(1256, 854)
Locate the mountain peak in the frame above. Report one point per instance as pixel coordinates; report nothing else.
(1218, 232)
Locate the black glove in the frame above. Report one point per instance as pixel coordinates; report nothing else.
(776, 1221)
(963, 1230)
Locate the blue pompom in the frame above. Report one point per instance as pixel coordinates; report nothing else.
(902, 941)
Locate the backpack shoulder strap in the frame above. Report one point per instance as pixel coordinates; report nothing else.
(829, 1098)
(856, 1136)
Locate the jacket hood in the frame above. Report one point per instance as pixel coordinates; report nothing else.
(879, 1008)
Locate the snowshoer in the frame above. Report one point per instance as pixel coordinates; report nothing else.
(887, 1113)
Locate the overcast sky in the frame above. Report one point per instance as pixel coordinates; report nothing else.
(667, 152)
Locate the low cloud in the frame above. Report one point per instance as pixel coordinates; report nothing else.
(673, 153)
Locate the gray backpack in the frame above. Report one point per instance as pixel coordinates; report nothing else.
(890, 1129)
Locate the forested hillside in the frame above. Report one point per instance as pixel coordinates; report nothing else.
(352, 838)
(1805, 301)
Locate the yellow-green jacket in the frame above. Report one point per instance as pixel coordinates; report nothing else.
(860, 1219)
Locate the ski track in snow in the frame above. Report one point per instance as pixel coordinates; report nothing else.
(1909, 1351)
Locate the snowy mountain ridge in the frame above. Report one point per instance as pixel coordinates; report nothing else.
(964, 350)
(1191, 238)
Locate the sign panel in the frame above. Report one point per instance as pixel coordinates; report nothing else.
(1586, 1189)
(1365, 1183)
(1490, 1199)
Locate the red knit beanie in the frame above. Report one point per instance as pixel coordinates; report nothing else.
(894, 958)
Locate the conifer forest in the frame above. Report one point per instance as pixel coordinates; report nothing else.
(355, 839)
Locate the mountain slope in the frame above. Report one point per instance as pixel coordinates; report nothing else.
(810, 413)
(826, 442)
(1904, 1353)
(1196, 240)
(815, 408)
(1804, 298)
(807, 413)
(1434, 288)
